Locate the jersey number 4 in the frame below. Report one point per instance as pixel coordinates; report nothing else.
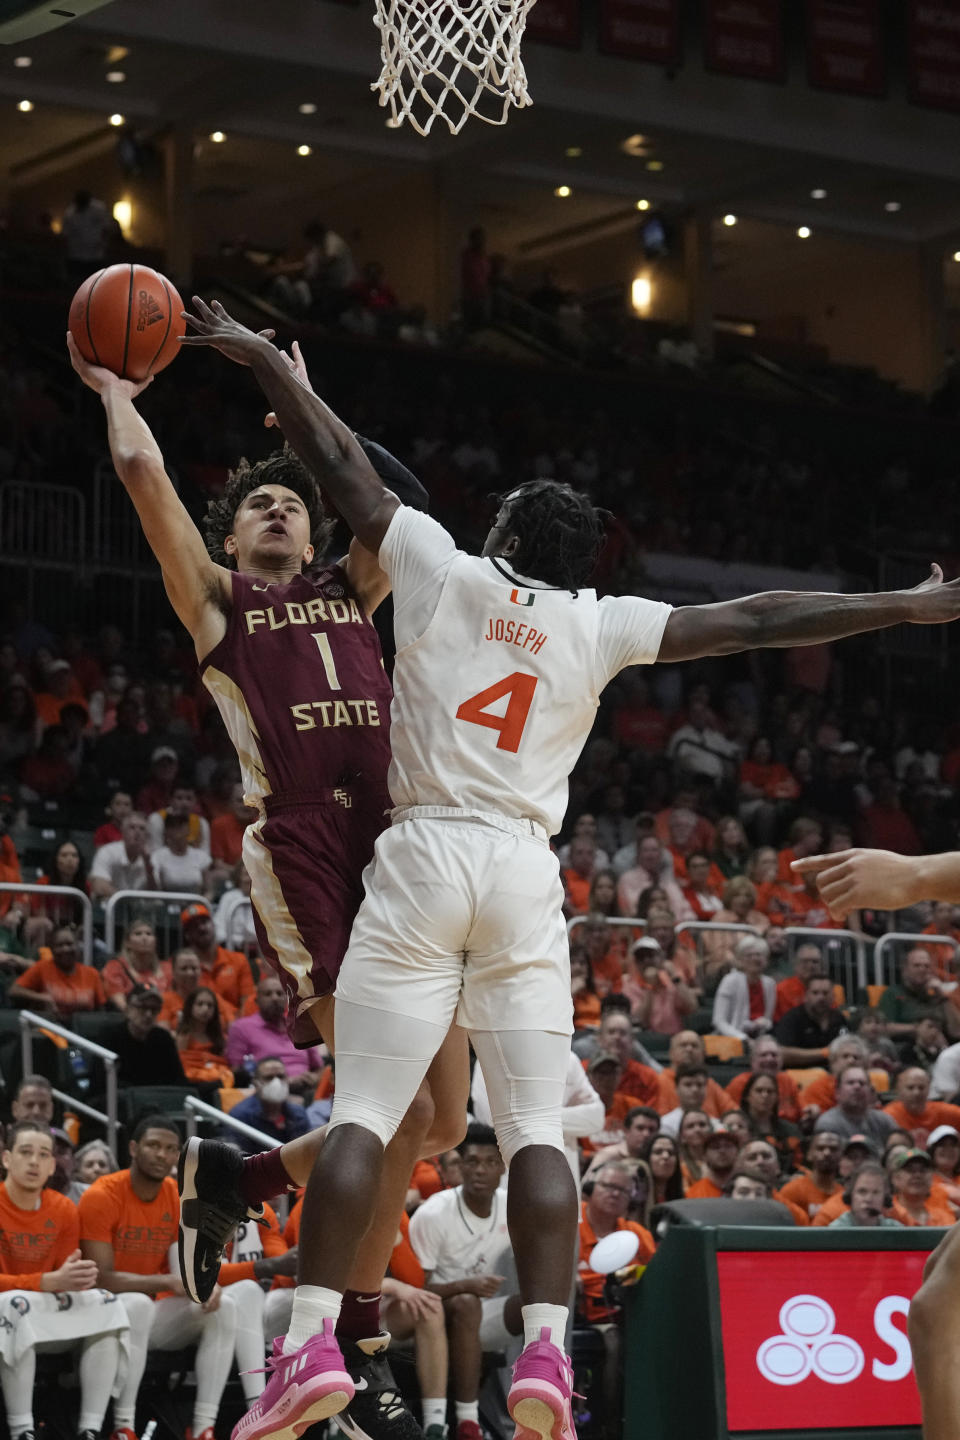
(520, 688)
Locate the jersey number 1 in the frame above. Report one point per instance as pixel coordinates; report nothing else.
(520, 688)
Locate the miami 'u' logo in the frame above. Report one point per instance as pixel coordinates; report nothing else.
(521, 597)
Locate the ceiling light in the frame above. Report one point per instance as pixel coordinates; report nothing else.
(641, 293)
(307, 108)
(633, 145)
(892, 206)
(117, 119)
(218, 137)
(116, 53)
(643, 204)
(818, 194)
(115, 77)
(804, 232)
(304, 150)
(22, 62)
(956, 256)
(729, 219)
(563, 192)
(654, 164)
(24, 105)
(573, 152)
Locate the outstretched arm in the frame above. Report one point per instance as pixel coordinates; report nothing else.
(328, 448)
(780, 619)
(197, 589)
(880, 880)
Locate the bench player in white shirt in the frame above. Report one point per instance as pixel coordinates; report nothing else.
(500, 662)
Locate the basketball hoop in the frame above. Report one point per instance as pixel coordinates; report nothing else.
(452, 60)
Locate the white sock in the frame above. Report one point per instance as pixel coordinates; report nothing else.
(434, 1412)
(203, 1417)
(19, 1424)
(535, 1317)
(312, 1304)
(122, 1419)
(468, 1410)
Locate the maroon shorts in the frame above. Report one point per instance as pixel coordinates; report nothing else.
(306, 862)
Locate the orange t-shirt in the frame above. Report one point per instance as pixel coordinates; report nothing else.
(231, 977)
(589, 1283)
(822, 1089)
(612, 1125)
(226, 837)
(140, 1232)
(789, 1105)
(802, 1191)
(938, 1212)
(716, 1103)
(639, 1080)
(273, 1244)
(404, 1264)
(586, 1010)
(172, 1009)
(201, 1063)
(799, 1214)
(578, 890)
(426, 1179)
(34, 1242)
(934, 1113)
(704, 1190)
(81, 989)
(941, 955)
(831, 1210)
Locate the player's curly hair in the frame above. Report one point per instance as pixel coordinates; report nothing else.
(561, 533)
(281, 468)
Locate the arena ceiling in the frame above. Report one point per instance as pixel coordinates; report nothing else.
(196, 64)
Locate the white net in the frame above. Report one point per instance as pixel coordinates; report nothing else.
(451, 60)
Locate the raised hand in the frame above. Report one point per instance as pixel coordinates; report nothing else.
(299, 367)
(937, 601)
(98, 378)
(211, 325)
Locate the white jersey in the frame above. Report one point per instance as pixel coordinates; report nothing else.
(451, 1242)
(497, 677)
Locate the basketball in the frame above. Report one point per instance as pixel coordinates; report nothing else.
(127, 318)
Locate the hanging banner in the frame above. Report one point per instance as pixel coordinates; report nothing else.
(933, 54)
(641, 30)
(845, 46)
(555, 22)
(745, 37)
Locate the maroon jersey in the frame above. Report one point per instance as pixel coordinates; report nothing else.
(299, 680)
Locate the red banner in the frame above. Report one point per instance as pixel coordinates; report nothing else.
(845, 46)
(821, 1343)
(745, 37)
(641, 30)
(933, 54)
(555, 22)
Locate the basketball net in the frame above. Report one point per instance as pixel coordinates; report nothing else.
(451, 60)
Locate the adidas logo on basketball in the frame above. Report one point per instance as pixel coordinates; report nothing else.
(148, 311)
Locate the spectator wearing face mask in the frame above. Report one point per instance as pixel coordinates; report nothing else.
(269, 1109)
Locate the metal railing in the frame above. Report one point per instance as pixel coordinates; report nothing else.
(85, 902)
(885, 946)
(46, 523)
(223, 1117)
(619, 920)
(29, 1021)
(169, 898)
(846, 954)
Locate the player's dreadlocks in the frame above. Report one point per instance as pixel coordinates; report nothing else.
(561, 533)
(280, 468)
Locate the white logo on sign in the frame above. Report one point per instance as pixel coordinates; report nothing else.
(808, 1344)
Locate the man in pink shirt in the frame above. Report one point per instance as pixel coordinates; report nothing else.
(264, 1034)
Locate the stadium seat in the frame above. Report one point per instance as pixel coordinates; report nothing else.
(722, 1047)
(873, 995)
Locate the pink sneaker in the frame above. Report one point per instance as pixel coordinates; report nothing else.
(540, 1396)
(309, 1385)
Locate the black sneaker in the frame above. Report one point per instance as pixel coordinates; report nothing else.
(211, 1208)
(377, 1411)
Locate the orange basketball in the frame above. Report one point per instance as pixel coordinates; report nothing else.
(127, 319)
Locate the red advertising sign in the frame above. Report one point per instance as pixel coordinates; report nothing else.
(845, 46)
(745, 37)
(555, 22)
(820, 1337)
(641, 30)
(933, 53)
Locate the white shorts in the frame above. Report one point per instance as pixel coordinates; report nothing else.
(462, 918)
